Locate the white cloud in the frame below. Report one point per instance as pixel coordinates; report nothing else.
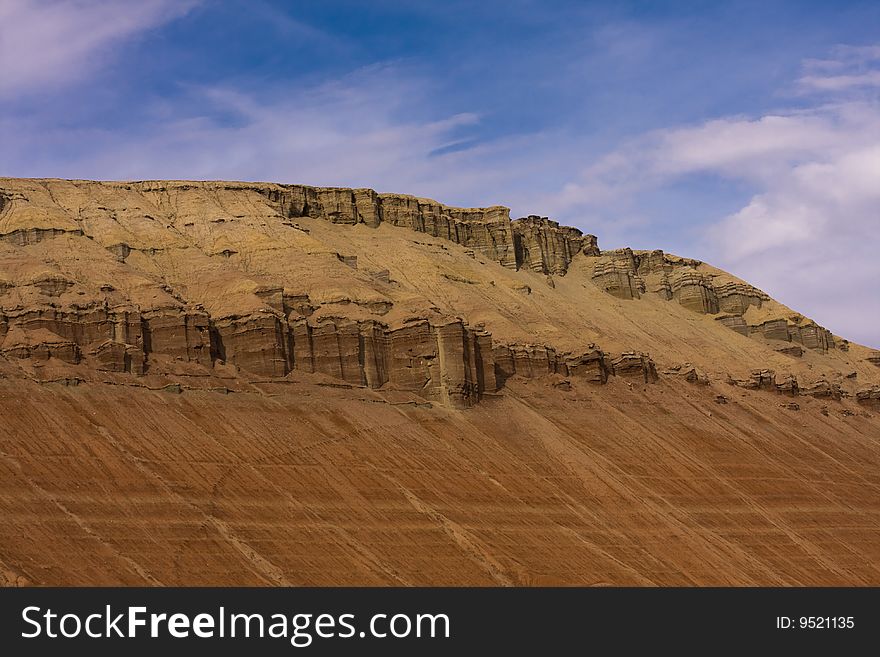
(849, 68)
(355, 131)
(839, 82)
(810, 233)
(49, 43)
(755, 149)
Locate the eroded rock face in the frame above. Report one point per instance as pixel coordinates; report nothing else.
(615, 273)
(759, 379)
(616, 280)
(823, 389)
(869, 397)
(635, 365)
(735, 323)
(257, 343)
(788, 385)
(695, 292)
(180, 333)
(527, 360)
(485, 230)
(791, 350)
(119, 357)
(546, 247)
(689, 373)
(767, 380)
(763, 380)
(531, 361)
(114, 335)
(629, 274)
(39, 346)
(590, 366)
(446, 362)
(143, 313)
(812, 336)
(27, 236)
(736, 298)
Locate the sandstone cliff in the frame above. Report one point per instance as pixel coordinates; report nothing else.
(254, 383)
(131, 278)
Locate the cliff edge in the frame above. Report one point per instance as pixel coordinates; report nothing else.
(259, 384)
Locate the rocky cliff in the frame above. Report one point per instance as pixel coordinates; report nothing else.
(131, 278)
(252, 383)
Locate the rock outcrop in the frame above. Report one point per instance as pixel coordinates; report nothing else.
(447, 362)
(593, 365)
(546, 247)
(208, 275)
(766, 379)
(736, 298)
(634, 365)
(533, 242)
(615, 273)
(869, 397)
(823, 389)
(695, 292)
(629, 274)
(213, 383)
(689, 373)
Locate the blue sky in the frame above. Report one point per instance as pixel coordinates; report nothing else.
(743, 133)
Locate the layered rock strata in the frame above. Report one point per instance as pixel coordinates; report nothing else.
(869, 397)
(593, 365)
(628, 274)
(448, 361)
(533, 242)
(170, 247)
(546, 247)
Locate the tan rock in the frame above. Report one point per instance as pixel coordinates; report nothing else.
(193, 370)
(218, 274)
(694, 291)
(636, 365)
(544, 246)
(615, 273)
(822, 388)
(869, 397)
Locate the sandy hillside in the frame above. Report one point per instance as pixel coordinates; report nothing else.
(254, 383)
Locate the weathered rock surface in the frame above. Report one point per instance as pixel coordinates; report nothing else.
(822, 388)
(531, 361)
(635, 365)
(250, 384)
(689, 373)
(629, 274)
(615, 273)
(869, 397)
(546, 247)
(213, 275)
(788, 385)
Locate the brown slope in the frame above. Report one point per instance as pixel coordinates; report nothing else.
(308, 485)
(346, 325)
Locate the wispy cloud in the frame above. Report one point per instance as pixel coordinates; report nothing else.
(45, 44)
(801, 183)
(849, 67)
(808, 233)
(357, 130)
